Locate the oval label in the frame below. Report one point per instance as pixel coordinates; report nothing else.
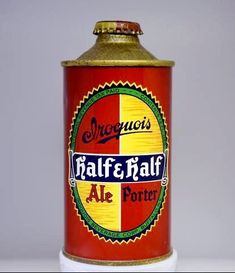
(118, 156)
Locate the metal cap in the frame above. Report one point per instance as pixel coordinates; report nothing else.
(117, 27)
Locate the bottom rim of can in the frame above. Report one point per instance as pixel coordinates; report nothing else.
(117, 263)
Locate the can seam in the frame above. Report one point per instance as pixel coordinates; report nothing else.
(154, 63)
(117, 263)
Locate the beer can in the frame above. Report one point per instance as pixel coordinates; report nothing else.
(117, 135)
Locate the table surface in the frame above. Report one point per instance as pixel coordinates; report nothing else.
(50, 265)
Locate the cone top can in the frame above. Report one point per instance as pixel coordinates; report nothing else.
(117, 151)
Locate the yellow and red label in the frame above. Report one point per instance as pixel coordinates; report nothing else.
(118, 161)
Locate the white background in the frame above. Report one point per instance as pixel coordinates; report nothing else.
(36, 35)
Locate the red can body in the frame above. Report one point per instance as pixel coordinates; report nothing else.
(95, 130)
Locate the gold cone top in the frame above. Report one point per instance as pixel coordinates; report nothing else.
(118, 27)
(117, 44)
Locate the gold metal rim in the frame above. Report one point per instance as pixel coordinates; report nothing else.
(157, 63)
(117, 263)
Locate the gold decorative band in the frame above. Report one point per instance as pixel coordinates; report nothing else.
(158, 63)
(117, 263)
